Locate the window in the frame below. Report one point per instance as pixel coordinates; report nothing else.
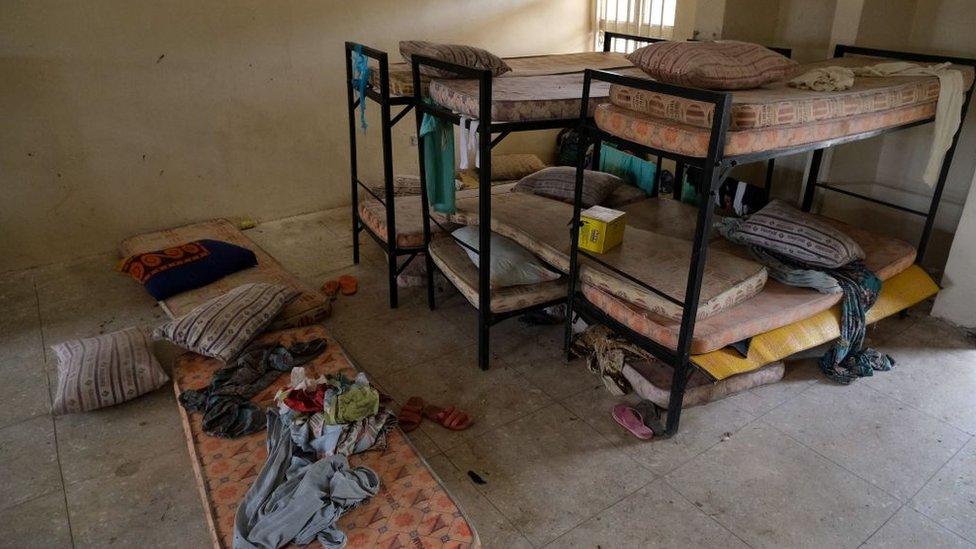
(652, 18)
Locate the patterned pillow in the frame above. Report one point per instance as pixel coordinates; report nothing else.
(719, 65)
(467, 56)
(559, 182)
(223, 326)
(105, 370)
(165, 273)
(800, 236)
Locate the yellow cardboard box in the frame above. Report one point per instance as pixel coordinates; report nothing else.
(601, 229)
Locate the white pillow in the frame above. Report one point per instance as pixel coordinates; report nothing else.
(511, 264)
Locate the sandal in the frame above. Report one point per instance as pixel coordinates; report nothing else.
(330, 288)
(348, 284)
(411, 414)
(449, 417)
(630, 419)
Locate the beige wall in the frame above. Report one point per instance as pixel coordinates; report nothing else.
(121, 117)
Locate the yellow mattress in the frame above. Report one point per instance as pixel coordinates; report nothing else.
(401, 77)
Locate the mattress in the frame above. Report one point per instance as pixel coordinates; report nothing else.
(456, 266)
(412, 507)
(309, 307)
(775, 306)
(409, 216)
(401, 76)
(657, 258)
(775, 116)
(524, 98)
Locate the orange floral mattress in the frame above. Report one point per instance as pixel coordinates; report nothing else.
(775, 116)
(308, 308)
(412, 509)
(401, 77)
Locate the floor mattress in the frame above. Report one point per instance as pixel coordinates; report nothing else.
(309, 307)
(412, 509)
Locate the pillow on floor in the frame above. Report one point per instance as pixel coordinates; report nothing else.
(165, 273)
(222, 327)
(105, 370)
(559, 182)
(511, 264)
(718, 65)
(798, 235)
(468, 56)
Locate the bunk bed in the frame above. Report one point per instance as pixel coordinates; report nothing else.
(390, 85)
(521, 103)
(718, 138)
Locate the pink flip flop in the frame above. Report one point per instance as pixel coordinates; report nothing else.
(629, 419)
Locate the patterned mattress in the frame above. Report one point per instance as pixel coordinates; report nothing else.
(401, 77)
(454, 263)
(309, 307)
(524, 98)
(655, 257)
(409, 219)
(775, 116)
(775, 306)
(412, 509)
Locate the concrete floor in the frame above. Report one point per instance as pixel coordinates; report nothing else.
(889, 461)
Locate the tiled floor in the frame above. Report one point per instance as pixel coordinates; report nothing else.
(889, 461)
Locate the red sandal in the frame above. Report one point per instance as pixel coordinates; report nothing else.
(449, 417)
(411, 414)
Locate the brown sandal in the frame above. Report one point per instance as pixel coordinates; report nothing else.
(411, 414)
(330, 288)
(449, 417)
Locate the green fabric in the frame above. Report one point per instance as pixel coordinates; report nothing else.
(355, 403)
(438, 138)
(630, 168)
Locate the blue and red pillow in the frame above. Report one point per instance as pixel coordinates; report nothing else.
(165, 273)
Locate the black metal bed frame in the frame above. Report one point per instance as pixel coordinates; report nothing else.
(713, 166)
(390, 246)
(486, 127)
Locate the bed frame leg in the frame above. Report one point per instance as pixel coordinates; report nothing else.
(812, 178)
(431, 280)
(353, 172)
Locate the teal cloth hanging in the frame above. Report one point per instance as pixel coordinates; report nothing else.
(633, 170)
(438, 137)
(360, 79)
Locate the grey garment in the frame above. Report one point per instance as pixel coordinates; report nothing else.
(295, 498)
(780, 270)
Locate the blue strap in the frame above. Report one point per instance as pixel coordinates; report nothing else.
(360, 78)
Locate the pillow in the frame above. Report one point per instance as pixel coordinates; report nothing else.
(798, 235)
(468, 56)
(719, 65)
(559, 182)
(105, 370)
(223, 326)
(165, 273)
(511, 264)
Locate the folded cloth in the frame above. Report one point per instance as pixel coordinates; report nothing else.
(825, 79)
(295, 498)
(948, 110)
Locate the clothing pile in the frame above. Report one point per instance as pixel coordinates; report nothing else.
(307, 483)
(606, 353)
